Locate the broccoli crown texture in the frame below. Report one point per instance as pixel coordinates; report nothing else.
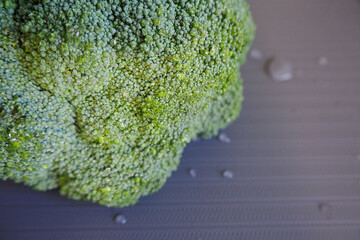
(99, 98)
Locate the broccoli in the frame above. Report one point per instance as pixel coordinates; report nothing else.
(99, 98)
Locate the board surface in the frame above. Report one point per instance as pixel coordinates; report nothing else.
(295, 151)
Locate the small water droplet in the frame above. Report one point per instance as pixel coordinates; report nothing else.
(192, 172)
(223, 137)
(119, 218)
(77, 34)
(227, 174)
(323, 61)
(325, 209)
(280, 70)
(256, 54)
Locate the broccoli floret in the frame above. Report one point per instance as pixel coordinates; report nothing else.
(99, 98)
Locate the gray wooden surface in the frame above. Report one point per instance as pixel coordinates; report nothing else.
(295, 151)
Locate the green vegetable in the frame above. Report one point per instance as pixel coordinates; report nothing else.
(99, 98)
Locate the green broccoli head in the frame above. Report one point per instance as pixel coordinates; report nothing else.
(99, 98)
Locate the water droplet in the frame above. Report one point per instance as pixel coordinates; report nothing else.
(223, 137)
(325, 209)
(119, 218)
(323, 61)
(77, 34)
(192, 172)
(280, 70)
(227, 174)
(256, 54)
